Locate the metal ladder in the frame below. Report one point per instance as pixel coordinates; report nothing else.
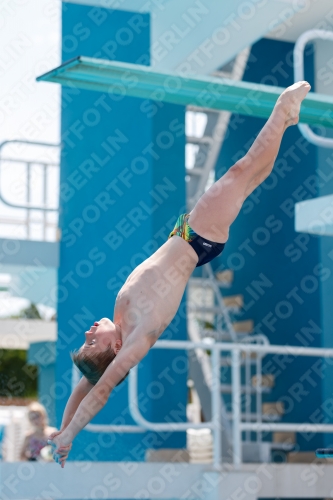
(209, 145)
(200, 176)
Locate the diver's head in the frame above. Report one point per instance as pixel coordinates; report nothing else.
(103, 342)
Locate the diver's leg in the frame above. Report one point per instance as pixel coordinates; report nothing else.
(219, 206)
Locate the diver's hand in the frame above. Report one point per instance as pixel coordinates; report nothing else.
(61, 447)
(54, 434)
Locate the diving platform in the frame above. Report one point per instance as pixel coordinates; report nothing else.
(132, 80)
(167, 481)
(315, 216)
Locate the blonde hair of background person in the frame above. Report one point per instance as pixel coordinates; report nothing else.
(151, 295)
(36, 439)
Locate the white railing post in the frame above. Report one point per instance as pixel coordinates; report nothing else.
(236, 408)
(259, 389)
(248, 400)
(216, 407)
(44, 215)
(28, 198)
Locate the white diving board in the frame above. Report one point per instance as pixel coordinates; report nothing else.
(315, 216)
(126, 79)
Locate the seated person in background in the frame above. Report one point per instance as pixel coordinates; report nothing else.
(36, 439)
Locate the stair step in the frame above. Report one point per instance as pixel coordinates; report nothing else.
(305, 457)
(244, 326)
(284, 437)
(282, 446)
(249, 355)
(167, 455)
(276, 407)
(235, 301)
(226, 276)
(267, 380)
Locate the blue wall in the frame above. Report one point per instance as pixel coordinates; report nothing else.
(279, 271)
(122, 185)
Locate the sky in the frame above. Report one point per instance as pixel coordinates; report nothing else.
(30, 45)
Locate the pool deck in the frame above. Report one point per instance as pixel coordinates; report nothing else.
(126, 480)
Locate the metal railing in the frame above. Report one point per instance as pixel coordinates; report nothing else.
(299, 48)
(223, 309)
(26, 181)
(214, 424)
(223, 317)
(238, 427)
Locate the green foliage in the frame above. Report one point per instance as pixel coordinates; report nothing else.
(30, 312)
(17, 378)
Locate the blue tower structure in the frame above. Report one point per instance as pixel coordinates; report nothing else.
(122, 188)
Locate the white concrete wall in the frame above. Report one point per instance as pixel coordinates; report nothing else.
(20, 333)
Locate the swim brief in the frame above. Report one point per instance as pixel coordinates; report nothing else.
(206, 250)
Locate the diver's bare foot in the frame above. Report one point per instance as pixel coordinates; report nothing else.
(290, 100)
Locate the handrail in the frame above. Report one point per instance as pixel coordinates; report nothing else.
(300, 44)
(238, 426)
(115, 428)
(27, 206)
(228, 346)
(285, 427)
(258, 336)
(215, 424)
(33, 143)
(158, 427)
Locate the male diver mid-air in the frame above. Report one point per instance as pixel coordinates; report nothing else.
(151, 295)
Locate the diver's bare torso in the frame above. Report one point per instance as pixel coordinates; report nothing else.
(150, 297)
